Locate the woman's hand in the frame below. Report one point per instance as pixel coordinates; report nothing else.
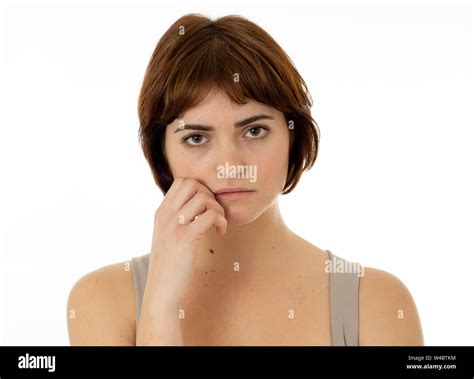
(177, 232)
(188, 210)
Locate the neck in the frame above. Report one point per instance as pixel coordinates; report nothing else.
(255, 247)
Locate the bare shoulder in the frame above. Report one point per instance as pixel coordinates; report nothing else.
(387, 311)
(101, 307)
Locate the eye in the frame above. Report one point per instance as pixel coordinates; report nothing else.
(258, 135)
(196, 138)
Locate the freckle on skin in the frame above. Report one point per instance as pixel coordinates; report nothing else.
(212, 251)
(205, 273)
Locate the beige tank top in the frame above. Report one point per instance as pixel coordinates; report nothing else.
(343, 296)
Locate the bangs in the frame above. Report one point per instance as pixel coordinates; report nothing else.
(212, 57)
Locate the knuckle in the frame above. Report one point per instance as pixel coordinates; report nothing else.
(219, 208)
(201, 196)
(206, 215)
(188, 181)
(215, 215)
(210, 195)
(187, 184)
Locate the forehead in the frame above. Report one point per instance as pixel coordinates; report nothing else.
(217, 105)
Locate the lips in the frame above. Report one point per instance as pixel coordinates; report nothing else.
(233, 193)
(233, 190)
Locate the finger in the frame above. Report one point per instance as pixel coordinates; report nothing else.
(174, 188)
(187, 189)
(206, 221)
(196, 206)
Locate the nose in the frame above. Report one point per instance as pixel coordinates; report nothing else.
(229, 152)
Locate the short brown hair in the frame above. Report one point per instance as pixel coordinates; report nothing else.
(197, 54)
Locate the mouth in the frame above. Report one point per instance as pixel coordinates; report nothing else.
(233, 193)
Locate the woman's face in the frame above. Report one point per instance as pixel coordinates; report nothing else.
(252, 154)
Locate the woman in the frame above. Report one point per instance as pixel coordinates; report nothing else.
(225, 125)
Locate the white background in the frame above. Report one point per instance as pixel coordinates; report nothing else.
(392, 186)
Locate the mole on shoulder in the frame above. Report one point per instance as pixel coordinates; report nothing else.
(212, 251)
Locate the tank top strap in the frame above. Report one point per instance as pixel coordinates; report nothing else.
(344, 300)
(140, 272)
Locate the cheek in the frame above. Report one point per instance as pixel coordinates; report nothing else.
(188, 164)
(185, 166)
(177, 163)
(272, 167)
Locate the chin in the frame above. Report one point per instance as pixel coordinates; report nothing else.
(243, 214)
(239, 219)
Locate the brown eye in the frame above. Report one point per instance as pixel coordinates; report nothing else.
(195, 139)
(258, 134)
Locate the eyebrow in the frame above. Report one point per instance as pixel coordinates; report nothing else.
(238, 124)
